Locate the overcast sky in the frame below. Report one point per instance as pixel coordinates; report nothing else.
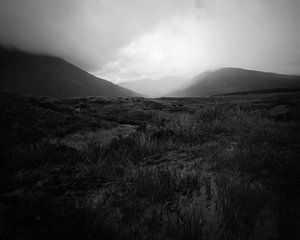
(131, 39)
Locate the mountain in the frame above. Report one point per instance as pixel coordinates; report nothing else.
(51, 76)
(155, 88)
(228, 80)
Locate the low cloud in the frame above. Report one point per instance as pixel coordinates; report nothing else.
(85, 32)
(131, 39)
(250, 34)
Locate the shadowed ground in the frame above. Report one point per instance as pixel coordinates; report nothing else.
(133, 168)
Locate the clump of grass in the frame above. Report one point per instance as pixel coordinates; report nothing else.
(184, 125)
(159, 186)
(241, 203)
(132, 148)
(163, 185)
(45, 152)
(205, 124)
(147, 142)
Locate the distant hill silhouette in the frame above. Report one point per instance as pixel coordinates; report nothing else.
(51, 76)
(155, 88)
(228, 80)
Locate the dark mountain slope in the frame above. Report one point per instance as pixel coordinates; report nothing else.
(50, 76)
(227, 80)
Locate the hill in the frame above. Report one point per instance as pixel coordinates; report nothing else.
(155, 88)
(51, 76)
(228, 80)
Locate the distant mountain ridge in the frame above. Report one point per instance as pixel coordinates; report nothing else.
(155, 88)
(51, 76)
(228, 80)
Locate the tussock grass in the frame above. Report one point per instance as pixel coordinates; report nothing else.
(196, 169)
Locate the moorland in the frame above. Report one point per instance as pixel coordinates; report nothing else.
(223, 167)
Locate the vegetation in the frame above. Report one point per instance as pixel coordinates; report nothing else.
(132, 168)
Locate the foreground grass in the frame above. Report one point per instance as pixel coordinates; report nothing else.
(192, 170)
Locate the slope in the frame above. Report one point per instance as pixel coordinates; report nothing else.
(50, 76)
(227, 80)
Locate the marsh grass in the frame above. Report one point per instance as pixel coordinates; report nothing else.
(241, 203)
(238, 156)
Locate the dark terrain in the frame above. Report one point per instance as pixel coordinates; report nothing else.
(50, 76)
(221, 167)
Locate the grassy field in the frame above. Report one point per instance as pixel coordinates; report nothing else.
(131, 168)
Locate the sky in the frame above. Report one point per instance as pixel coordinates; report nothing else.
(124, 40)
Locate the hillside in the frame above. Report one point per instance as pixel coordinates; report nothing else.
(228, 80)
(155, 88)
(50, 76)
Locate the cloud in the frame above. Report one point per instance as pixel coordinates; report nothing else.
(129, 39)
(85, 32)
(251, 34)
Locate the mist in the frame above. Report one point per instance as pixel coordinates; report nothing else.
(134, 39)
